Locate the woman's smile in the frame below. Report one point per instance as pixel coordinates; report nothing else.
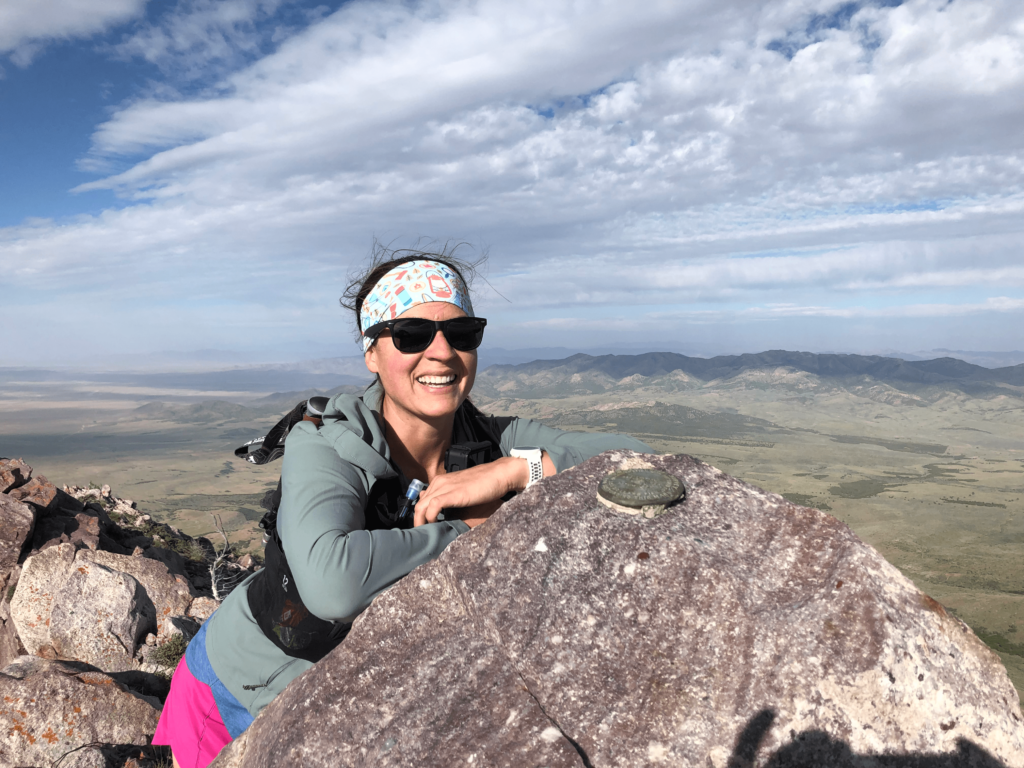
(437, 382)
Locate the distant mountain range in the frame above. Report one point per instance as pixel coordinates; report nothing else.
(586, 373)
(575, 374)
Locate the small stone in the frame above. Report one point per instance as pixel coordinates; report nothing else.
(86, 531)
(46, 652)
(180, 625)
(105, 491)
(151, 639)
(246, 561)
(138, 552)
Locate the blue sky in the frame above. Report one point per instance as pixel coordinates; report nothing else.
(696, 176)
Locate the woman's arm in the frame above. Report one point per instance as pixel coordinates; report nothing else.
(477, 491)
(339, 567)
(566, 449)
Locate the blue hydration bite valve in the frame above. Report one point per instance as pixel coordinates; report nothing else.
(415, 488)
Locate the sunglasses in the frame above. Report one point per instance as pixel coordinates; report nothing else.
(415, 334)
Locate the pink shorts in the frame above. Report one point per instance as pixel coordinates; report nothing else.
(190, 722)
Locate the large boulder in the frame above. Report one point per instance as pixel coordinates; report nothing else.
(170, 592)
(42, 577)
(99, 616)
(49, 708)
(737, 629)
(45, 574)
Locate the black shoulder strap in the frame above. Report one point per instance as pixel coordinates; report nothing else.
(472, 426)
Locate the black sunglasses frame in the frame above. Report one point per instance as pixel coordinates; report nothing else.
(374, 331)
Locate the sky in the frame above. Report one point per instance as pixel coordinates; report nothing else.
(697, 176)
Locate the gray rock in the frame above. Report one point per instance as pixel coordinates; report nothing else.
(202, 608)
(50, 531)
(175, 562)
(38, 491)
(10, 643)
(170, 593)
(45, 573)
(99, 616)
(181, 625)
(737, 629)
(13, 473)
(85, 530)
(48, 708)
(90, 757)
(17, 521)
(42, 576)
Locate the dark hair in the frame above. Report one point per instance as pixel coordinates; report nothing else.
(384, 259)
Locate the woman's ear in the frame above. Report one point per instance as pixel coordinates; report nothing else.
(370, 358)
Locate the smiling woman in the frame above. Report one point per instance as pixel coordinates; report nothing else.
(382, 484)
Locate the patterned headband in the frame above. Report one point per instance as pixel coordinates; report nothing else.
(410, 284)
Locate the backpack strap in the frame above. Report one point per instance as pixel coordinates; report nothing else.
(266, 449)
(472, 426)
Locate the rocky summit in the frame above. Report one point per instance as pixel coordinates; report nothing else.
(731, 629)
(97, 604)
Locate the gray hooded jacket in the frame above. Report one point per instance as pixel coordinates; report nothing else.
(340, 567)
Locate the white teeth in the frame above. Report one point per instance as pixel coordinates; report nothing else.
(436, 381)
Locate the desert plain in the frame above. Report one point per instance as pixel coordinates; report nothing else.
(930, 475)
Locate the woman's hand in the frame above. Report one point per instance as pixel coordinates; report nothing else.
(475, 492)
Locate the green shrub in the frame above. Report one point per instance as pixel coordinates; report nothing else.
(190, 550)
(170, 653)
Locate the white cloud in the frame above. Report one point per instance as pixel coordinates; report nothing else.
(27, 25)
(994, 304)
(203, 38)
(664, 151)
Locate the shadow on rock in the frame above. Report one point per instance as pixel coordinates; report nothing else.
(813, 749)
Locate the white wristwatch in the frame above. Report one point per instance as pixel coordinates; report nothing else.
(533, 459)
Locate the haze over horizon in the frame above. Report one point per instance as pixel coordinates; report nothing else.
(699, 177)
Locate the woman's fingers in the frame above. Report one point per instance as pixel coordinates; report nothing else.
(470, 487)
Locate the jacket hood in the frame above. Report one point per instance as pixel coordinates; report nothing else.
(351, 426)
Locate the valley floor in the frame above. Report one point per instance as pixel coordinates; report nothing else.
(937, 486)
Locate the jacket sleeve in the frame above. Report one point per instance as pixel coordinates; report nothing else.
(339, 567)
(566, 449)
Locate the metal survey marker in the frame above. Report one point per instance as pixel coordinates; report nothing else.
(641, 491)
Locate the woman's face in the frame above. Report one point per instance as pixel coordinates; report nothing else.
(427, 385)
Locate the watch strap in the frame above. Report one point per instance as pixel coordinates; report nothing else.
(533, 461)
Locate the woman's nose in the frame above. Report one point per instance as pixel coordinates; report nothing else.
(439, 348)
